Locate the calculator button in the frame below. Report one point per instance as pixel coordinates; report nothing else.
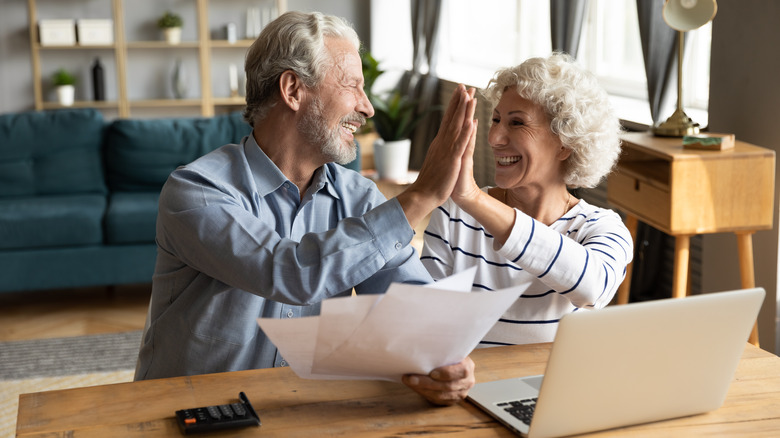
(214, 412)
(238, 408)
(226, 410)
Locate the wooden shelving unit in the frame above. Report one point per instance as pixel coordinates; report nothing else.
(124, 106)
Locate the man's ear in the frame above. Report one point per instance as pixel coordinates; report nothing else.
(291, 89)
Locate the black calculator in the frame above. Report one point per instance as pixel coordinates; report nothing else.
(218, 417)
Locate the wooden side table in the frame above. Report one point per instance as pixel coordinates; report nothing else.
(686, 192)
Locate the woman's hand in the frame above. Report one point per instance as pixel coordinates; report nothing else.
(466, 189)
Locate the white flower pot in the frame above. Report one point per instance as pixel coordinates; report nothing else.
(172, 35)
(65, 94)
(391, 159)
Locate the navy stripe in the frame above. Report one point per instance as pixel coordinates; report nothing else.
(582, 274)
(605, 253)
(524, 295)
(458, 220)
(495, 343)
(476, 256)
(432, 258)
(621, 245)
(541, 295)
(560, 246)
(530, 237)
(549, 321)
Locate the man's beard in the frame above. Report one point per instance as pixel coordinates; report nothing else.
(314, 128)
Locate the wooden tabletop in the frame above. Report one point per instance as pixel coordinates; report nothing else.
(292, 407)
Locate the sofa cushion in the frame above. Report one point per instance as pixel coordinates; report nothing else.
(51, 221)
(51, 152)
(131, 217)
(140, 154)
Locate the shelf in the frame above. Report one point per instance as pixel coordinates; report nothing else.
(164, 103)
(83, 104)
(77, 47)
(128, 50)
(230, 101)
(242, 44)
(162, 45)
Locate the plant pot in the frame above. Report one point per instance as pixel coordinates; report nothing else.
(172, 35)
(391, 159)
(65, 94)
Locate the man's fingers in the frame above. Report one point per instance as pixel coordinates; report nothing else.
(458, 96)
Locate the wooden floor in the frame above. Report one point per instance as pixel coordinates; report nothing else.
(72, 312)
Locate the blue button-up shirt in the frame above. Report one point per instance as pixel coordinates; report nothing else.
(236, 242)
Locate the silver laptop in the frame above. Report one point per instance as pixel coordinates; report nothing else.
(629, 364)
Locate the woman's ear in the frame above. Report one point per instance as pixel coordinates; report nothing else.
(563, 153)
(291, 90)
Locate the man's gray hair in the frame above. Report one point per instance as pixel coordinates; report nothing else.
(295, 41)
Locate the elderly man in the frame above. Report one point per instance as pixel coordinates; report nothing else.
(273, 226)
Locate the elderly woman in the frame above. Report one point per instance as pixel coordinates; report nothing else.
(552, 129)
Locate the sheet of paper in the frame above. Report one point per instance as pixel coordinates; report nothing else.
(409, 329)
(461, 281)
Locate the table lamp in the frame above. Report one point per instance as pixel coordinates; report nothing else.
(682, 16)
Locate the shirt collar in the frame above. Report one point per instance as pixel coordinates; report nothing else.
(268, 178)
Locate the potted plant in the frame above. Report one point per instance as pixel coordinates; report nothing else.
(171, 24)
(395, 117)
(64, 83)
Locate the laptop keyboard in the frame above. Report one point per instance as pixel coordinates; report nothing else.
(523, 410)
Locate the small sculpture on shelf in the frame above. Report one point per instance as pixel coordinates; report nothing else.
(64, 83)
(179, 80)
(171, 25)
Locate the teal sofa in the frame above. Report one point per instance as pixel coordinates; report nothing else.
(78, 194)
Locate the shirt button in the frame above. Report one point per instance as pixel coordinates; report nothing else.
(290, 313)
(283, 363)
(398, 246)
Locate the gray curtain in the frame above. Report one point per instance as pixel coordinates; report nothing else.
(566, 17)
(655, 249)
(659, 42)
(426, 16)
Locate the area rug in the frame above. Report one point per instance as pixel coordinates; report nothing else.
(69, 356)
(62, 363)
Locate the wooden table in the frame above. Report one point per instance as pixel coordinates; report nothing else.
(685, 192)
(293, 407)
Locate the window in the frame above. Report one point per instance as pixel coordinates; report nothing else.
(477, 38)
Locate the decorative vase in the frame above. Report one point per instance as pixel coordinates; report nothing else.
(179, 80)
(65, 94)
(98, 81)
(172, 35)
(391, 159)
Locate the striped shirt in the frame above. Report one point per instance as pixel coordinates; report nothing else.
(576, 263)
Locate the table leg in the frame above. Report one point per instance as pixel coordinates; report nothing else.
(682, 255)
(746, 269)
(625, 287)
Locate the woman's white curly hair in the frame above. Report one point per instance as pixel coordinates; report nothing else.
(578, 107)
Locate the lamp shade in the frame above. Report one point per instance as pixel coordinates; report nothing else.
(685, 15)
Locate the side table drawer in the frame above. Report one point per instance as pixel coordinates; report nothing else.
(640, 198)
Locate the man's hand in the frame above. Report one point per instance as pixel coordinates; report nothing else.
(442, 164)
(445, 385)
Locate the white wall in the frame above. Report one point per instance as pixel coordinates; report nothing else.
(744, 99)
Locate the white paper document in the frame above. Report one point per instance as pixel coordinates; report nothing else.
(409, 329)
